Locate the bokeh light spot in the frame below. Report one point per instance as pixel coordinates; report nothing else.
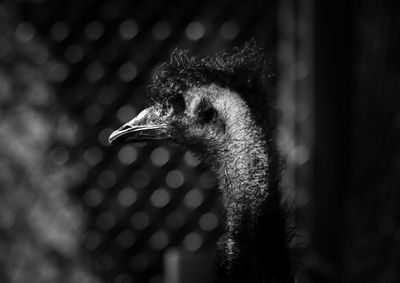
(191, 159)
(175, 179)
(126, 113)
(193, 241)
(127, 71)
(195, 30)
(160, 156)
(160, 198)
(300, 154)
(208, 221)
(193, 198)
(127, 196)
(127, 154)
(128, 29)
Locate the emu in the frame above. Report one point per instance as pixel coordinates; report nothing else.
(221, 107)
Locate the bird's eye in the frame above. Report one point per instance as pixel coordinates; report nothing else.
(176, 102)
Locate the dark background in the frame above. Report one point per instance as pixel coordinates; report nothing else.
(73, 209)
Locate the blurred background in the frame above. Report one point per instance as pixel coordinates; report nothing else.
(74, 209)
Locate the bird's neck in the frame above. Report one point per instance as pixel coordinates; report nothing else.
(254, 245)
(245, 163)
(243, 175)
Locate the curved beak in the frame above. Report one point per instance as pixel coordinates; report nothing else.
(149, 125)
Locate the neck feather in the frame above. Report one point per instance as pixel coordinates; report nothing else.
(254, 245)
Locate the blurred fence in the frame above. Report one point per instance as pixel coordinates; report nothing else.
(94, 59)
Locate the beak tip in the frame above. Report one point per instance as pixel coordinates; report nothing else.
(112, 140)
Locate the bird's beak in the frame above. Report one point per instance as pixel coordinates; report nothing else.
(149, 125)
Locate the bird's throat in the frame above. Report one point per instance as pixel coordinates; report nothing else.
(254, 243)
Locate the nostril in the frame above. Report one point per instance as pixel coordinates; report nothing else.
(124, 128)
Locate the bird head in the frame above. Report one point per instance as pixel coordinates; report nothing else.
(197, 118)
(196, 101)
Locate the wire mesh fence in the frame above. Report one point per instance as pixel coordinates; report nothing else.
(136, 201)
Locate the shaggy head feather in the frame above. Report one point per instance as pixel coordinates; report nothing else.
(243, 70)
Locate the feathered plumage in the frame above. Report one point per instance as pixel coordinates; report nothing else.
(221, 107)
